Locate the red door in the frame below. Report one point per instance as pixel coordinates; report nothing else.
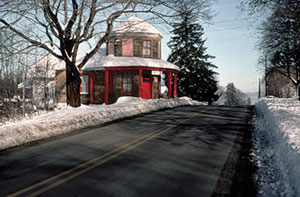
(147, 88)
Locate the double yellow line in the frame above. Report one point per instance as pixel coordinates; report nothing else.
(45, 185)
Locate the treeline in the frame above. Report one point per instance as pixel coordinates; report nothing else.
(279, 41)
(16, 58)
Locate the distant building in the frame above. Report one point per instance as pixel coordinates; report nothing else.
(279, 85)
(40, 82)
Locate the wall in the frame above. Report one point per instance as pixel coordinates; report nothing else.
(116, 89)
(279, 85)
(99, 86)
(60, 87)
(132, 45)
(155, 87)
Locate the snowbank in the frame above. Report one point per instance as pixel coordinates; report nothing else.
(277, 147)
(68, 119)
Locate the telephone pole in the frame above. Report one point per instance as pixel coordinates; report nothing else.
(266, 72)
(259, 91)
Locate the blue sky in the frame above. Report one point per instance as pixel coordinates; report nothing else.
(231, 39)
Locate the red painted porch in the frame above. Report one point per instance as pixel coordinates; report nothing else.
(145, 84)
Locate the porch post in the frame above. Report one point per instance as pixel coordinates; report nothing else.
(91, 88)
(175, 85)
(140, 83)
(159, 87)
(106, 86)
(169, 84)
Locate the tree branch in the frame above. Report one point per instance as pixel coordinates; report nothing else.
(110, 20)
(32, 41)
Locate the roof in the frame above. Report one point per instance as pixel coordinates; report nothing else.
(100, 63)
(135, 25)
(45, 67)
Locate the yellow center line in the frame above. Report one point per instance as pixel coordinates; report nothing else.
(77, 167)
(126, 147)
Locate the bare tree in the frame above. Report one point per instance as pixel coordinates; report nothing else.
(234, 96)
(62, 27)
(280, 37)
(14, 59)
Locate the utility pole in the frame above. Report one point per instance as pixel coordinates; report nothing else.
(259, 91)
(24, 83)
(266, 72)
(24, 92)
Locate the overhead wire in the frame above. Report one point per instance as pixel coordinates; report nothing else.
(235, 20)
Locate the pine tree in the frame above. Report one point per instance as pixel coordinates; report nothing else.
(196, 78)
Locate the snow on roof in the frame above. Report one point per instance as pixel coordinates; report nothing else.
(122, 61)
(45, 67)
(48, 64)
(135, 25)
(96, 61)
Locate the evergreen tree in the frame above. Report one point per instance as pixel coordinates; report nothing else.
(196, 78)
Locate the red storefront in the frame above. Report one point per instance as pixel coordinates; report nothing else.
(136, 77)
(131, 66)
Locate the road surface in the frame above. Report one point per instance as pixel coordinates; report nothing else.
(186, 151)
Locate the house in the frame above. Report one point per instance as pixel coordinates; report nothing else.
(279, 85)
(40, 82)
(130, 65)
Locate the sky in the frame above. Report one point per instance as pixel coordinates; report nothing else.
(232, 40)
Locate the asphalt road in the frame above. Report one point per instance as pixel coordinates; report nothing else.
(187, 151)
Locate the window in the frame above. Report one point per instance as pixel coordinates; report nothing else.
(127, 83)
(118, 47)
(84, 84)
(146, 48)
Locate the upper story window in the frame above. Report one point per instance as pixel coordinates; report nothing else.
(146, 48)
(118, 47)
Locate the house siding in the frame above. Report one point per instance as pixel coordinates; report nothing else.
(116, 89)
(60, 88)
(99, 86)
(155, 49)
(117, 47)
(127, 47)
(135, 83)
(280, 86)
(110, 48)
(155, 87)
(133, 46)
(137, 47)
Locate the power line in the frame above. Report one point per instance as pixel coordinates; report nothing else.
(227, 29)
(236, 20)
(219, 29)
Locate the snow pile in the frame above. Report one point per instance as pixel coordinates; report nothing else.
(277, 147)
(68, 119)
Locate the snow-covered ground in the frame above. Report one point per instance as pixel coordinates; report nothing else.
(277, 147)
(66, 119)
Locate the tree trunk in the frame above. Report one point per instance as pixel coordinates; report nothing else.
(73, 82)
